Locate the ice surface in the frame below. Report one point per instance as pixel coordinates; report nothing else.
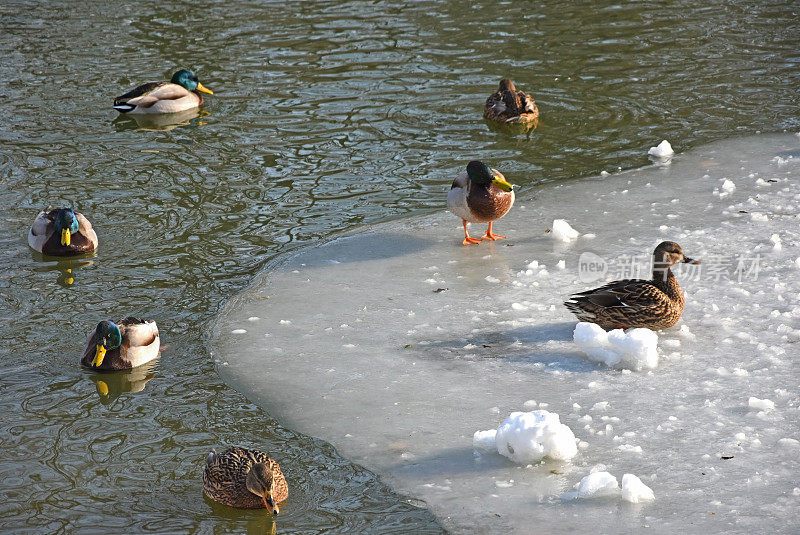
(663, 150)
(432, 351)
(634, 491)
(634, 349)
(528, 437)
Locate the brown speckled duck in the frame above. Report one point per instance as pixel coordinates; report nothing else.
(653, 304)
(509, 105)
(244, 478)
(62, 232)
(480, 195)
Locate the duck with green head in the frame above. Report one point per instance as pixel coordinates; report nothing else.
(123, 345)
(62, 232)
(181, 93)
(480, 195)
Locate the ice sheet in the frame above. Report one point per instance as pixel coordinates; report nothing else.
(397, 344)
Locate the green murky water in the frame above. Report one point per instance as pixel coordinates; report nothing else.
(328, 116)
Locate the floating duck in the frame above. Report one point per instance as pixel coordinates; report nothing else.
(509, 105)
(62, 232)
(244, 478)
(480, 195)
(625, 304)
(123, 345)
(179, 94)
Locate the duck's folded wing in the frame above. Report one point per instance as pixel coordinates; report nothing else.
(137, 92)
(85, 228)
(460, 181)
(42, 225)
(624, 294)
(84, 225)
(139, 333)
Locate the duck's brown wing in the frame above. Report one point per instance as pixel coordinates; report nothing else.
(86, 230)
(623, 304)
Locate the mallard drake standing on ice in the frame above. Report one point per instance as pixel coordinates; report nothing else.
(509, 105)
(123, 345)
(244, 478)
(62, 232)
(653, 304)
(179, 94)
(480, 195)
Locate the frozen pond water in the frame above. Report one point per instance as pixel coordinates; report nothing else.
(397, 344)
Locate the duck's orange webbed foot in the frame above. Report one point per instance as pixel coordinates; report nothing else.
(467, 238)
(488, 235)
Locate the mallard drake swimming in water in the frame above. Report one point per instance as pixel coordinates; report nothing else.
(179, 94)
(62, 232)
(123, 345)
(509, 105)
(625, 304)
(480, 195)
(244, 478)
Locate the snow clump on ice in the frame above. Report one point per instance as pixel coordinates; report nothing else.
(634, 491)
(761, 404)
(635, 349)
(527, 437)
(595, 485)
(663, 150)
(602, 484)
(562, 231)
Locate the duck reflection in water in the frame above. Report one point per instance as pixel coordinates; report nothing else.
(112, 385)
(67, 268)
(161, 123)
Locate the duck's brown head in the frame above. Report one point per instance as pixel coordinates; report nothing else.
(507, 85)
(261, 483)
(669, 253)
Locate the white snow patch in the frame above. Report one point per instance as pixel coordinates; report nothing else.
(595, 485)
(662, 150)
(527, 437)
(238, 331)
(761, 404)
(562, 231)
(634, 491)
(635, 349)
(728, 186)
(484, 441)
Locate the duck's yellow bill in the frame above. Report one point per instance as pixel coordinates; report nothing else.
(102, 388)
(66, 237)
(99, 355)
(501, 182)
(204, 89)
